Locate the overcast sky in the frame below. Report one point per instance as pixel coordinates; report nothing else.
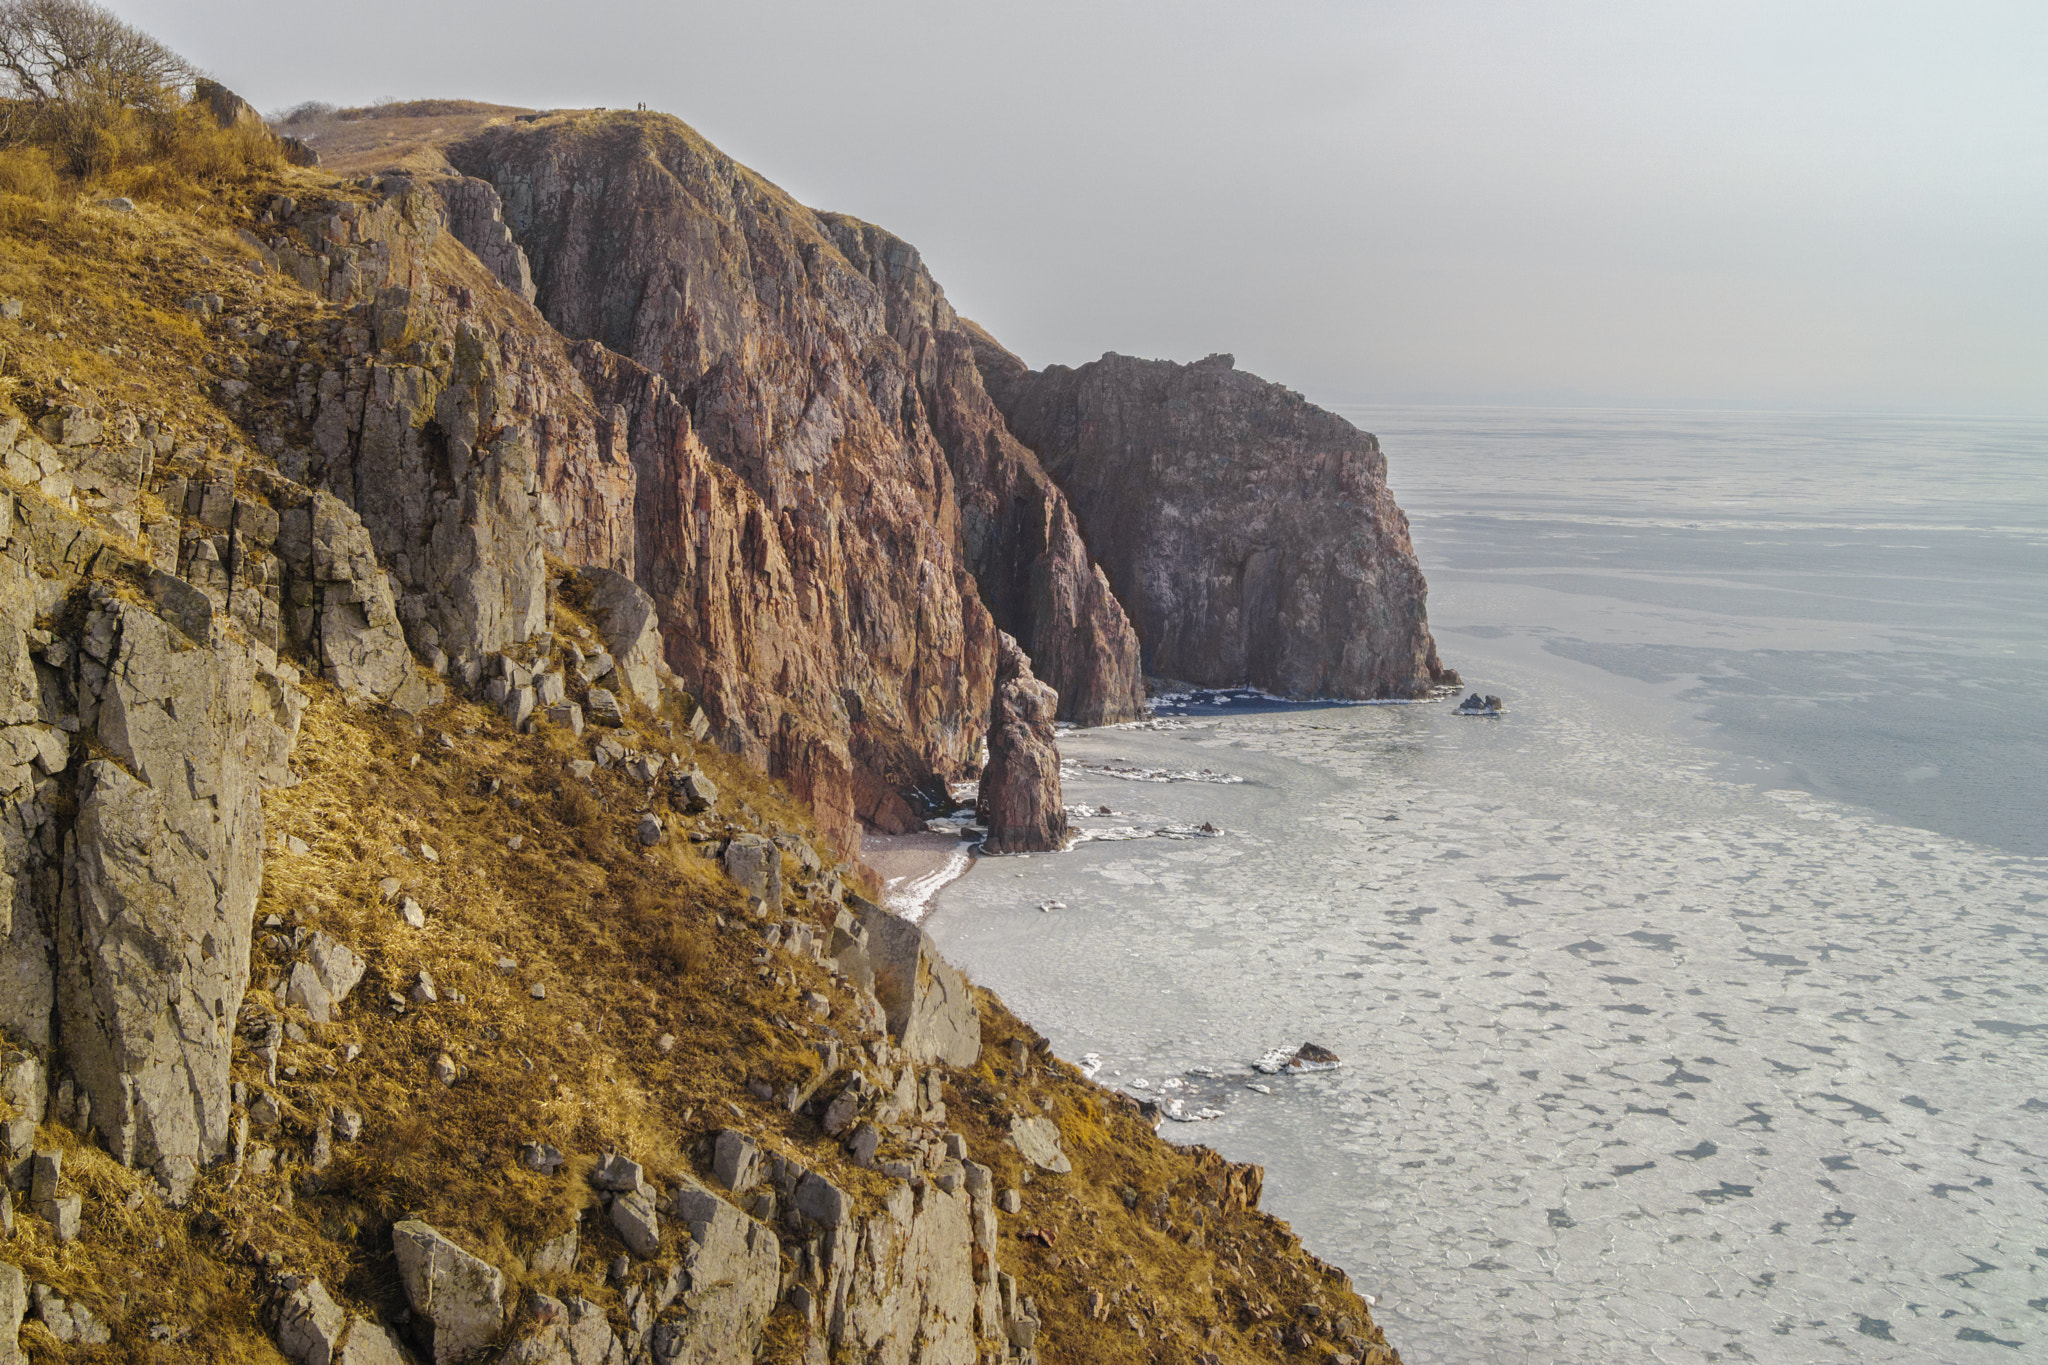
(1778, 204)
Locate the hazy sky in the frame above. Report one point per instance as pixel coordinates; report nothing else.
(1781, 204)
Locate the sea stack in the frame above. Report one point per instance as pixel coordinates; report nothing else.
(1020, 788)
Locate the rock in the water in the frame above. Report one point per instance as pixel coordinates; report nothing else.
(459, 1297)
(930, 1006)
(1037, 1139)
(1307, 1057)
(1020, 788)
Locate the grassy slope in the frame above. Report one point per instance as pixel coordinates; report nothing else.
(629, 944)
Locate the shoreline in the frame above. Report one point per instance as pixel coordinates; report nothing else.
(914, 868)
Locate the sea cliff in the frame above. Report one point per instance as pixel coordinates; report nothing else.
(1250, 534)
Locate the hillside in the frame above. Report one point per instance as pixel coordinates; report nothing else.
(436, 930)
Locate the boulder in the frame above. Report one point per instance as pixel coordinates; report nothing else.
(697, 791)
(625, 613)
(369, 1343)
(736, 1161)
(1019, 801)
(557, 1255)
(755, 865)
(458, 1297)
(305, 991)
(358, 639)
(1037, 1140)
(929, 1005)
(310, 1324)
(1250, 535)
(603, 708)
(634, 1219)
(821, 1201)
(618, 1173)
(572, 1333)
(338, 967)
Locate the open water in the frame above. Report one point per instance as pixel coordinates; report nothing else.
(1694, 1010)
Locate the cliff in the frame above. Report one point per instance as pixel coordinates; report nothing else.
(402, 961)
(1249, 533)
(814, 356)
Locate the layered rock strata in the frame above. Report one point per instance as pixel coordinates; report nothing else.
(1250, 534)
(1019, 801)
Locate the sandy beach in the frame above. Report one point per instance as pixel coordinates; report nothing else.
(914, 867)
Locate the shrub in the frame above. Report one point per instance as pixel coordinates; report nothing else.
(27, 171)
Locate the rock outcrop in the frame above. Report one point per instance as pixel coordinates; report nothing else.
(929, 1004)
(1019, 800)
(162, 866)
(1249, 533)
(130, 860)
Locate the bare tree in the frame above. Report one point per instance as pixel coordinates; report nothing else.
(77, 52)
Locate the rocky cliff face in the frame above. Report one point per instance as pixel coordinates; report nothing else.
(814, 357)
(1249, 533)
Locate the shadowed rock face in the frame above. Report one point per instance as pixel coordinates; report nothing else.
(1250, 534)
(1019, 534)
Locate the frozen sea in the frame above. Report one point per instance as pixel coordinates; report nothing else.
(1696, 1009)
